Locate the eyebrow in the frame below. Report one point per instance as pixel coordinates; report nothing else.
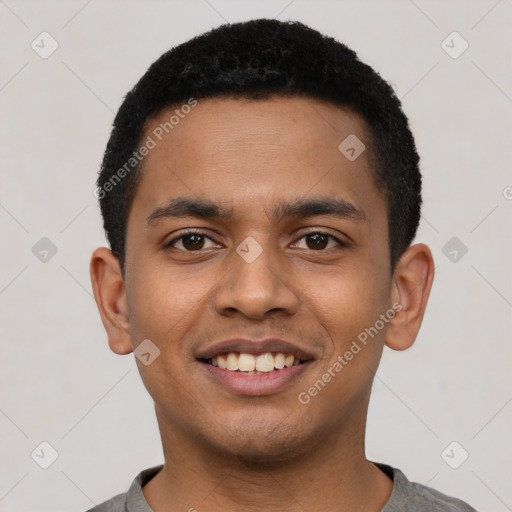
(182, 207)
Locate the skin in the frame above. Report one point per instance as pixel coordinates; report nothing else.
(225, 451)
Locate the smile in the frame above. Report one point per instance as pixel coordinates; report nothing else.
(254, 364)
(255, 374)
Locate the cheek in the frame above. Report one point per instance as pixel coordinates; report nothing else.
(155, 303)
(346, 308)
(164, 304)
(350, 299)
(163, 310)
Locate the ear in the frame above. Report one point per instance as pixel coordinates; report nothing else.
(109, 292)
(412, 282)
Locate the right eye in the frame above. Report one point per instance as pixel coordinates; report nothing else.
(191, 241)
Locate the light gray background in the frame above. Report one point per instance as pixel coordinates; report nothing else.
(60, 383)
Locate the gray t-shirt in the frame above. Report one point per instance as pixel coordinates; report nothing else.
(406, 496)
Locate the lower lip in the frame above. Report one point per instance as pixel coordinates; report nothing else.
(256, 385)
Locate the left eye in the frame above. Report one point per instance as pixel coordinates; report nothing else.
(195, 241)
(319, 240)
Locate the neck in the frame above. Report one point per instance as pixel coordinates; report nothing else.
(197, 477)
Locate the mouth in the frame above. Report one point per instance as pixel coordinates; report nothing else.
(254, 364)
(254, 368)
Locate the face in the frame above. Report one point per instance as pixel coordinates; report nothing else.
(289, 243)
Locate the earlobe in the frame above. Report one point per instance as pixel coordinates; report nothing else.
(110, 295)
(412, 282)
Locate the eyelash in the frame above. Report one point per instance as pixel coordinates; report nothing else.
(202, 233)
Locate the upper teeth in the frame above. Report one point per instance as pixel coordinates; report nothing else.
(244, 362)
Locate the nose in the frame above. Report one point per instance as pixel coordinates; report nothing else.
(255, 288)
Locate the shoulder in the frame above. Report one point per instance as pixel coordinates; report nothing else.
(408, 495)
(134, 499)
(115, 504)
(435, 500)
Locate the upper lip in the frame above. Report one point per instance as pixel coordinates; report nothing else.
(249, 346)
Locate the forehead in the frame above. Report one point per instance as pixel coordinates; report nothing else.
(245, 152)
(246, 124)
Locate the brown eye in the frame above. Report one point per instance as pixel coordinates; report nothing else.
(190, 242)
(193, 242)
(318, 241)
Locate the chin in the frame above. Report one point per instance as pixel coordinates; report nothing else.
(260, 444)
(264, 455)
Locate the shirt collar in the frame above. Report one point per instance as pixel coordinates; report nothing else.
(136, 502)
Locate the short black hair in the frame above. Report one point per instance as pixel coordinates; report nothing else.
(260, 59)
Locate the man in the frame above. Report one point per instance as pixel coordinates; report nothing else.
(260, 192)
